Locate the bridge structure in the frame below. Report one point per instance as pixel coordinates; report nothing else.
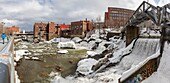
(146, 11)
(159, 16)
(24, 36)
(7, 69)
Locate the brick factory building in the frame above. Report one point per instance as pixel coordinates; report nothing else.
(44, 31)
(11, 30)
(98, 25)
(47, 31)
(116, 17)
(1, 27)
(63, 30)
(80, 28)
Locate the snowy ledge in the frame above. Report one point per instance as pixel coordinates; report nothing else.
(129, 72)
(120, 53)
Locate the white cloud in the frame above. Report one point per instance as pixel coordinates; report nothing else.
(25, 12)
(10, 22)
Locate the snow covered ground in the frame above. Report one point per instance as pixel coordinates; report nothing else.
(163, 73)
(149, 32)
(20, 53)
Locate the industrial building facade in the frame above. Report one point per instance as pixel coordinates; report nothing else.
(80, 28)
(44, 31)
(47, 31)
(116, 17)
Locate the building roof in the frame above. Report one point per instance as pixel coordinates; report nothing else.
(63, 26)
(119, 8)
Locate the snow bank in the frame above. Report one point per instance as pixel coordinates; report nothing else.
(20, 53)
(163, 72)
(69, 44)
(62, 51)
(85, 66)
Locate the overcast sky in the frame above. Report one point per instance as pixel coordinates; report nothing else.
(24, 13)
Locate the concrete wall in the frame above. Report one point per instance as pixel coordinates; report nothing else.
(7, 58)
(143, 73)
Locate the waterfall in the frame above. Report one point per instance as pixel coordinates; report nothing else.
(143, 48)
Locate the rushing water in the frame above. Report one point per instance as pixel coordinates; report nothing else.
(143, 48)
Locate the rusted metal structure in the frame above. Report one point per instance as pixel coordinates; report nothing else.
(161, 17)
(144, 12)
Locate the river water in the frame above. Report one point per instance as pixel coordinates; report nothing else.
(38, 70)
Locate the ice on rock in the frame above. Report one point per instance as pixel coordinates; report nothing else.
(56, 40)
(20, 53)
(85, 66)
(77, 39)
(84, 44)
(91, 53)
(91, 45)
(62, 51)
(69, 44)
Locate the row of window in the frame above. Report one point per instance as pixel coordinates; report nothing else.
(77, 26)
(119, 18)
(119, 14)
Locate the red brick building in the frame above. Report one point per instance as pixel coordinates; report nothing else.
(80, 28)
(11, 30)
(1, 27)
(44, 31)
(64, 30)
(116, 17)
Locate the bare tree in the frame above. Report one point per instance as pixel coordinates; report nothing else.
(98, 20)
